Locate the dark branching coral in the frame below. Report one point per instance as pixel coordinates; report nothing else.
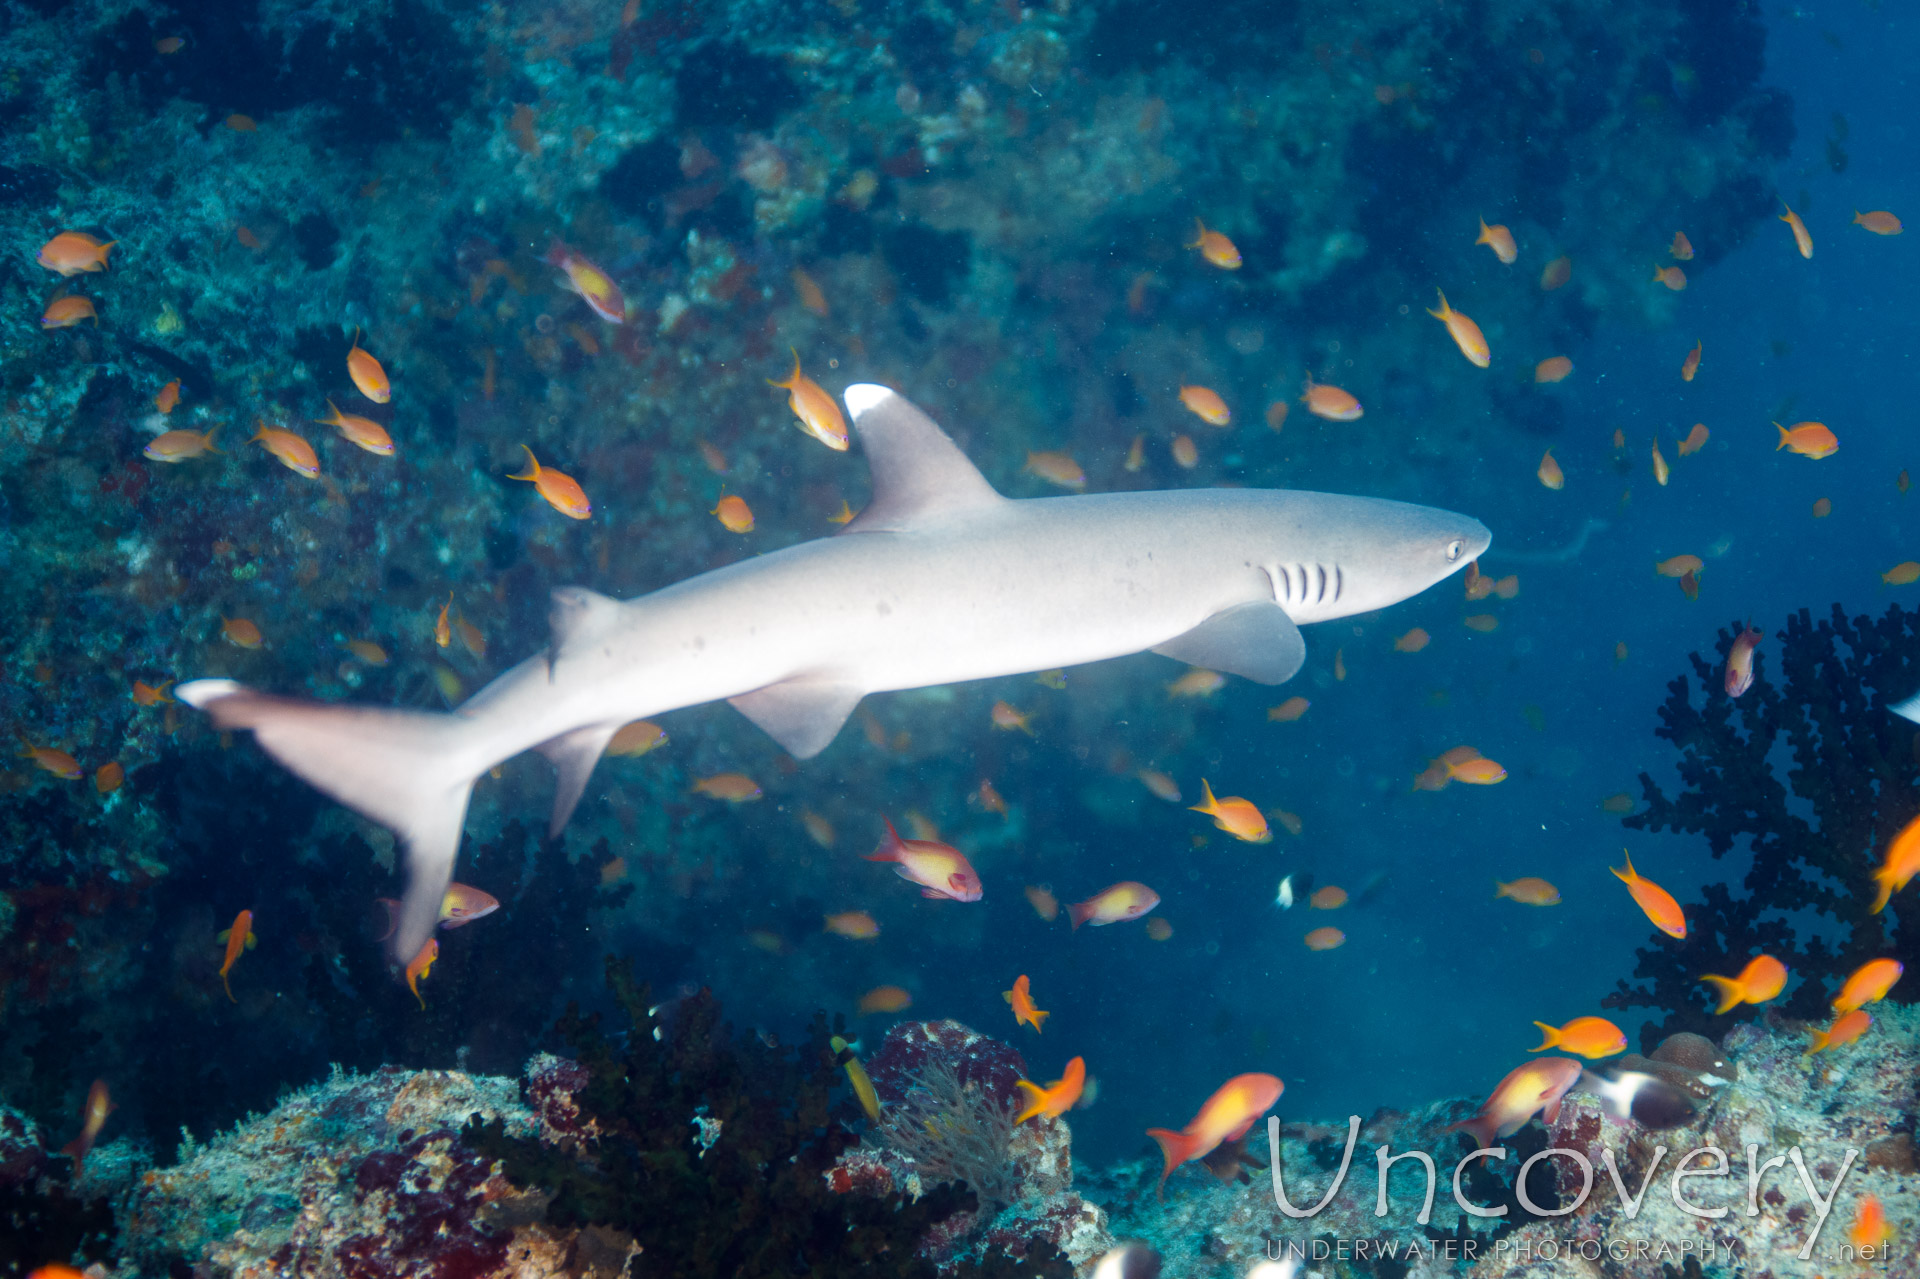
(1853, 782)
(713, 1152)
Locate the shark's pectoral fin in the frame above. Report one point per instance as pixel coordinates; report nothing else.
(1256, 641)
(574, 753)
(919, 473)
(803, 715)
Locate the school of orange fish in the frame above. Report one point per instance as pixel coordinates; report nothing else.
(942, 871)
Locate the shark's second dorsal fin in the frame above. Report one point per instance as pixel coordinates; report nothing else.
(919, 473)
(575, 615)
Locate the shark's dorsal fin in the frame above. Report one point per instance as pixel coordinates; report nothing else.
(575, 615)
(1256, 641)
(919, 474)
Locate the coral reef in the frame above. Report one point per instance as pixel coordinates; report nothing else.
(1863, 1098)
(714, 1154)
(1814, 836)
(947, 1105)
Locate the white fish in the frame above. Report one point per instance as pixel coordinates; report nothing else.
(939, 579)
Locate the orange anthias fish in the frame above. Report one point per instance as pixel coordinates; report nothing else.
(1057, 1098)
(1412, 642)
(1656, 901)
(1234, 815)
(1529, 890)
(1161, 785)
(462, 904)
(1739, 677)
(1690, 365)
(46, 758)
(240, 937)
(818, 414)
(65, 312)
(1695, 441)
(1671, 276)
(808, 290)
(1902, 863)
(1590, 1037)
(1285, 713)
(1185, 453)
(1044, 903)
(1869, 982)
(856, 925)
(941, 870)
(145, 694)
(1325, 939)
(1465, 333)
(1332, 897)
(72, 252)
(1845, 1029)
(1880, 222)
(1556, 273)
(1762, 979)
(1330, 402)
(1869, 1228)
(421, 966)
(734, 788)
(1500, 240)
(169, 397)
(1057, 467)
(109, 777)
(363, 431)
(442, 628)
(1024, 1013)
(1214, 247)
(1554, 368)
(1535, 1088)
(1808, 439)
(1478, 771)
(593, 285)
(367, 373)
(734, 514)
(1905, 573)
(1225, 1116)
(99, 1106)
(1682, 247)
(1550, 473)
(1660, 468)
(885, 999)
(240, 632)
(1679, 566)
(1801, 240)
(1197, 683)
(294, 452)
(637, 738)
(562, 491)
(178, 446)
(1206, 404)
(1009, 718)
(1115, 904)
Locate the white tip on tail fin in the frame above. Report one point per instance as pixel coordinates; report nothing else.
(403, 769)
(1909, 709)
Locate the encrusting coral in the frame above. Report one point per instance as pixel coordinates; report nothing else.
(1815, 836)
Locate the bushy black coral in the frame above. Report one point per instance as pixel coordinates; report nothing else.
(1815, 838)
(713, 1152)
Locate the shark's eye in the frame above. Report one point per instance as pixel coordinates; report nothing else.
(1454, 548)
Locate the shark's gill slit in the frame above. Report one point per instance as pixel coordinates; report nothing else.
(1282, 583)
(1320, 575)
(1339, 583)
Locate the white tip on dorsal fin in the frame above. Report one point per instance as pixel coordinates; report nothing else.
(918, 472)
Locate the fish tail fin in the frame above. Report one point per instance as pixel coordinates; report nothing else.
(1036, 1099)
(1444, 310)
(1552, 1037)
(403, 769)
(1726, 988)
(1482, 1128)
(1885, 880)
(209, 439)
(1175, 1147)
(1039, 1017)
(1499, 889)
(1199, 234)
(533, 470)
(224, 985)
(1783, 437)
(1079, 913)
(1626, 876)
(890, 845)
(793, 378)
(1208, 804)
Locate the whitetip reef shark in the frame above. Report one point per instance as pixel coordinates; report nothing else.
(939, 579)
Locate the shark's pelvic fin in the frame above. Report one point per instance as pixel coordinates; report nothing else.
(574, 754)
(803, 715)
(403, 769)
(919, 474)
(1256, 641)
(576, 617)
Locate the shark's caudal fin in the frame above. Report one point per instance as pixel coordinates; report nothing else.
(1909, 709)
(403, 769)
